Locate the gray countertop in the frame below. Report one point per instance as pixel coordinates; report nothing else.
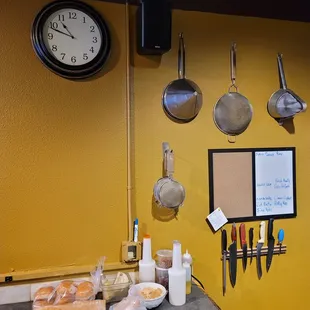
(197, 300)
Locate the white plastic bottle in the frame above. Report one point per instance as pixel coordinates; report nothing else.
(147, 264)
(187, 262)
(177, 277)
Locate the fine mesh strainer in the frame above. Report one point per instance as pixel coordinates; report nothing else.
(284, 103)
(232, 113)
(168, 192)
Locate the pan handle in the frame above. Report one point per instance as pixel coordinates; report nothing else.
(181, 57)
(170, 163)
(281, 72)
(166, 152)
(233, 60)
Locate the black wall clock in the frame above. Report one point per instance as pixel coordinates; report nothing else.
(71, 39)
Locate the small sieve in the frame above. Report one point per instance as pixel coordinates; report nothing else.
(168, 192)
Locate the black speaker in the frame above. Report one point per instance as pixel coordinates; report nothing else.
(154, 27)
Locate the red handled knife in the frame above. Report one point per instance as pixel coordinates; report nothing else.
(244, 245)
(233, 256)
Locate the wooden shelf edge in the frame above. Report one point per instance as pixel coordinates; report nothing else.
(53, 272)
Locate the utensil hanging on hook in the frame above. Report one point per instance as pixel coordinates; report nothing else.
(182, 98)
(168, 192)
(284, 104)
(233, 112)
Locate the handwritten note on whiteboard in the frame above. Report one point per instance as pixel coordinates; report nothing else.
(274, 182)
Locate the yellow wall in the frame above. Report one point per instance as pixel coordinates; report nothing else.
(63, 152)
(63, 155)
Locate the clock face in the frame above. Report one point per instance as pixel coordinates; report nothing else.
(72, 37)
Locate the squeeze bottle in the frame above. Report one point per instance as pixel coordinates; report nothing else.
(147, 264)
(177, 277)
(187, 262)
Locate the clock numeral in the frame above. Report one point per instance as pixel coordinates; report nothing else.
(61, 18)
(92, 28)
(63, 56)
(53, 25)
(85, 56)
(72, 15)
(54, 48)
(95, 39)
(92, 50)
(73, 59)
(50, 36)
(84, 19)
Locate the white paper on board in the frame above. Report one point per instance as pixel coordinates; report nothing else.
(217, 219)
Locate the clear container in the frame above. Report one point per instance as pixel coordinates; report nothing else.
(115, 292)
(162, 277)
(164, 259)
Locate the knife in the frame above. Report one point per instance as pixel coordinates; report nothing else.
(243, 245)
(280, 238)
(233, 256)
(251, 236)
(270, 244)
(224, 249)
(260, 244)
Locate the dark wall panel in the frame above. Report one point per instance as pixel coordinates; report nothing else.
(287, 10)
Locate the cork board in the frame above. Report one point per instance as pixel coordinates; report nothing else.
(245, 183)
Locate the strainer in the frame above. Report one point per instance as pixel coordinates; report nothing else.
(168, 192)
(233, 112)
(284, 103)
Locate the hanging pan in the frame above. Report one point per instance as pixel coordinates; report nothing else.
(182, 98)
(284, 104)
(233, 112)
(168, 192)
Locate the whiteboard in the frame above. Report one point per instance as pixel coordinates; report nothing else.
(274, 182)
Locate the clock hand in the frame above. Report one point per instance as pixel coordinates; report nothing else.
(61, 32)
(68, 30)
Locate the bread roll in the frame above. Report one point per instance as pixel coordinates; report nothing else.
(65, 292)
(43, 293)
(66, 287)
(42, 303)
(85, 291)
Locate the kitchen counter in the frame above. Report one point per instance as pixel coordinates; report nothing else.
(197, 300)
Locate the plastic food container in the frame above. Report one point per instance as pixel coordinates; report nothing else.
(115, 292)
(149, 303)
(164, 259)
(162, 277)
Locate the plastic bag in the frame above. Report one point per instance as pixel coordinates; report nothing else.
(129, 303)
(65, 292)
(97, 274)
(80, 305)
(68, 291)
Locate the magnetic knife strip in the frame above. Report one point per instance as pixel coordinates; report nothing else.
(264, 251)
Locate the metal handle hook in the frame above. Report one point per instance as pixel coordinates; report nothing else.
(282, 78)
(181, 57)
(233, 61)
(231, 139)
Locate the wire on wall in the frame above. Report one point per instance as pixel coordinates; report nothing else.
(128, 124)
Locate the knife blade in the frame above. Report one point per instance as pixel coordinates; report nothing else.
(280, 239)
(270, 244)
(224, 249)
(259, 246)
(243, 245)
(251, 237)
(233, 256)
